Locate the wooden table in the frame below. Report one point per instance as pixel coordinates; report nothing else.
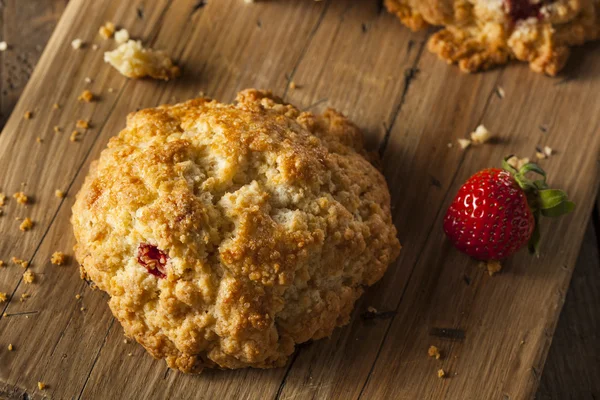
(345, 54)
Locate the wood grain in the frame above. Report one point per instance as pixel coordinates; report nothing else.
(349, 55)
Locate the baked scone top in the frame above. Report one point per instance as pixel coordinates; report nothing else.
(224, 234)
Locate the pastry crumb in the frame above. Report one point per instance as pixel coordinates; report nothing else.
(55, 106)
(87, 79)
(58, 258)
(133, 60)
(56, 129)
(3, 46)
(107, 30)
(20, 262)
(125, 341)
(129, 354)
(28, 115)
(433, 351)
(493, 267)
(28, 277)
(21, 197)
(41, 385)
(59, 193)
(77, 44)
(82, 309)
(500, 92)
(121, 36)
(94, 47)
(77, 296)
(24, 297)
(1, 263)
(74, 136)
(548, 151)
(26, 225)
(293, 85)
(10, 346)
(110, 90)
(86, 96)
(82, 123)
(517, 162)
(3, 297)
(2, 199)
(441, 373)
(481, 135)
(464, 143)
(39, 139)
(372, 309)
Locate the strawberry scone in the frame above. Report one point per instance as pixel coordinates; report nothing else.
(480, 34)
(226, 234)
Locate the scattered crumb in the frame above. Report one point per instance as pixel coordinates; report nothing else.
(94, 47)
(59, 193)
(434, 352)
(41, 385)
(125, 341)
(130, 354)
(107, 30)
(3, 297)
(121, 36)
(2, 199)
(372, 309)
(77, 296)
(3, 46)
(5, 315)
(450, 145)
(58, 258)
(82, 309)
(481, 135)
(517, 162)
(1, 263)
(522, 343)
(493, 267)
(26, 225)
(39, 139)
(132, 60)
(28, 277)
(74, 136)
(87, 79)
(55, 106)
(82, 123)
(293, 85)
(500, 92)
(441, 373)
(24, 297)
(110, 90)
(28, 115)
(77, 44)
(464, 143)
(21, 197)
(20, 262)
(548, 151)
(10, 346)
(86, 96)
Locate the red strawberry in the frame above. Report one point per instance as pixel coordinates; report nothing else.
(495, 212)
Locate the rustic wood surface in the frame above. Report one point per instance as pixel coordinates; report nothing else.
(354, 57)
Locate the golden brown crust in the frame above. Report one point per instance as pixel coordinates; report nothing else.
(271, 218)
(480, 34)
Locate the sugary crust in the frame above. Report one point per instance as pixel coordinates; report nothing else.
(480, 34)
(272, 219)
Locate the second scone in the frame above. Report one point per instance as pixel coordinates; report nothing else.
(226, 234)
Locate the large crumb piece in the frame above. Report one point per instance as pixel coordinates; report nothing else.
(58, 258)
(77, 44)
(28, 277)
(493, 267)
(21, 197)
(82, 123)
(86, 96)
(121, 36)
(107, 30)
(74, 136)
(434, 352)
(481, 135)
(464, 143)
(59, 193)
(3, 46)
(441, 373)
(26, 225)
(20, 262)
(3, 297)
(517, 162)
(41, 385)
(134, 61)
(10, 346)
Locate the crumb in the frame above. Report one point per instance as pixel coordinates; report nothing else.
(94, 47)
(56, 129)
(522, 342)
(434, 352)
(293, 85)
(10, 346)
(24, 297)
(82, 123)
(41, 385)
(548, 151)
(74, 136)
(86, 96)
(441, 373)
(372, 309)
(87, 79)
(82, 309)
(5, 315)
(1, 263)
(3, 297)
(28, 115)
(28, 277)
(26, 225)
(121, 36)
(59, 193)
(133, 60)
(77, 44)
(481, 135)
(77, 296)
(2, 199)
(248, 1)
(58, 258)
(125, 341)
(517, 162)
(493, 267)
(20, 262)
(110, 90)
(464, 143)
(107, 30)
(450, 145)
(130, 354)
(3, 46)
(539, 155)
(500, 92)
(39, 139)
(55, 106)
(21, 197)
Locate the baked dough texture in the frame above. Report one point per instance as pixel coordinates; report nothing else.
(481, 34)
(225, 234)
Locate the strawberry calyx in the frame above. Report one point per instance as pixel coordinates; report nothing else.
(542, 200)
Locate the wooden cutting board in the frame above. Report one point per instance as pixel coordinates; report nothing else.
(494, 332)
